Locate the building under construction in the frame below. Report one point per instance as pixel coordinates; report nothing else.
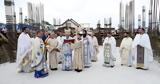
(127, 22)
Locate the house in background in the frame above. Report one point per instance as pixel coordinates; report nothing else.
(69, 24)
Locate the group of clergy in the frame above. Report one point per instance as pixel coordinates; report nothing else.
(136, 52)
(41, 51)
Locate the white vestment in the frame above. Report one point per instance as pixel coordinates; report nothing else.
(144, 41)
(67, 55)
(87, 50)
(53, 59)
(39, 61)
(125, 51)
(60, 43)
(78, 54)
(95, 48)
(24, 52)
(109, 61)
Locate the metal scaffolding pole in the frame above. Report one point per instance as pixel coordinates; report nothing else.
(11, 29)
(144, 17)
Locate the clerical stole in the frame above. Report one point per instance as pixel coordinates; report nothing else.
(67, 55)
(107, 53)
(87, 53)
(140, 56)
(78, 56)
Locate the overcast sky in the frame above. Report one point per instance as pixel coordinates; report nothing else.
(82, 11)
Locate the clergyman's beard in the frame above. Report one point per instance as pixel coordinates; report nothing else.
(79, 38)
(84, 35)
(125, 36)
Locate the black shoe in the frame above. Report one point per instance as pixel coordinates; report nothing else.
(59, 62)
(138, 68)
(106, 62)
(121, 64)
(76, 69)
(94, 61)
(112, 66)
(130, 66)
(79, 70)
(54, 69)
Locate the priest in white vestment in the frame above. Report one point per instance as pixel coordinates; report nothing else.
(125, 50)
(38, 58)
(78, 64)
(60, 39)
(24, 51)
(95, 47)
(109, 46)
(87, 49)
(67, 51)
(53, 50)
(142, 50)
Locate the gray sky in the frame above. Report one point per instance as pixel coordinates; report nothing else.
(82, 11)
